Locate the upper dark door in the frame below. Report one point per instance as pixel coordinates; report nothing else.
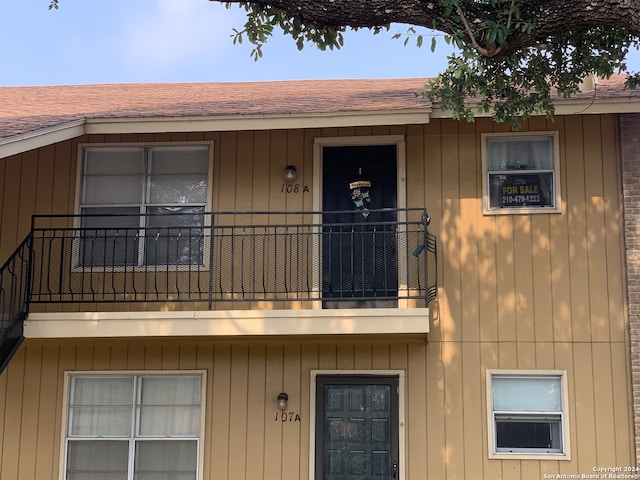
(356, 427)
(359, 258)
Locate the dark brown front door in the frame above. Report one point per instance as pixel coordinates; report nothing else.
(359, 257)
(356, 427)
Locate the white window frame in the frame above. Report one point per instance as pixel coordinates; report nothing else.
(563, 414)
(143, 204)
(517, 210)
(68, 375)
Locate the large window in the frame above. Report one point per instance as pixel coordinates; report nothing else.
(126, 427)
(527, 414)
(143, 205)
(521, 173)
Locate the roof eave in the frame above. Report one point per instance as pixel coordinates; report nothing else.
(224, 123)
(41, 138)
(570, 107)
(17, 144)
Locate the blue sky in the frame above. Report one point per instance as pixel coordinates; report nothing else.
(113, 41)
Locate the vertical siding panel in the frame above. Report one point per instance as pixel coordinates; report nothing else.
(244, 173)
(560, 272)
(603, 388)
(170, 357)
(380, 356)
(526, 352)
(10, 455)
(436, 438)
(545, 356)
(308, 362)
(345, 356)
(259, 410)
(135, 356)
(488, 360)
(542, 286)
(278, 156)
(10, 194)
(530, 470)
(101, 357)
(295, 154)
(274, 432)
(84, 357)
(26, 203)
(44, 186)
(472, 408)
(470, 208)
(226, 193)
(291, 441)
(261, 171)
(153, 357)
(238, 412)
(434, 201)
(204, 360)
(118, 357)
(187, 357)
(523, 277)
(415, 178)
(48, 437)
(487, 253)
(327, 357)
(29, 421)
(614, 230)
(416, 414)
(66, 363)
(362, 356)
(449, 298)
(584, 405)
(507, 355)
(453, 411)
(64, 178)
(578, 254)
(307, 167)
(505, 284)
(398, 357)
(220, 406)
(596, 229)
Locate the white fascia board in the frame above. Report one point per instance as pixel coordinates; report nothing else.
(17, 144)
(570, 107)
(255, 122)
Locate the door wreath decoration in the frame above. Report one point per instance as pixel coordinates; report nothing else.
(360, 195)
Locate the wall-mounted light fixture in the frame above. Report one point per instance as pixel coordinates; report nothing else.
(282, 400)
(289, 173)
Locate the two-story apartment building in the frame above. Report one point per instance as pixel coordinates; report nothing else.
(315, 280)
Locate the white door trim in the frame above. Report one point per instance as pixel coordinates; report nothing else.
(402, 456)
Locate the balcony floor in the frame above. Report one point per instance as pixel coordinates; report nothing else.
(230, 323)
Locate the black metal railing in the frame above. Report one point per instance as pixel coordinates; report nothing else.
(338, 258)
(14, 300)
(333, 259)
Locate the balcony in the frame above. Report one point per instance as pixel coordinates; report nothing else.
(222, 261)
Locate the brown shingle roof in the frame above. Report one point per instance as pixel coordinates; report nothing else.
(25, 109)
(29, 109)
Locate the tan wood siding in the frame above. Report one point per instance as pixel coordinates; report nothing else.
(534, 291)
(445, 401)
